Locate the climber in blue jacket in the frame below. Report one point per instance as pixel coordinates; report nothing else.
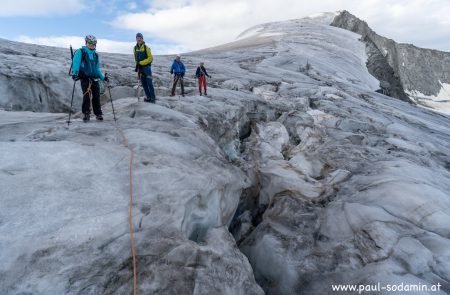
(178, 70)
(86, 68)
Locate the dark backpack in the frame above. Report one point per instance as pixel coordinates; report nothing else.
(145, 51)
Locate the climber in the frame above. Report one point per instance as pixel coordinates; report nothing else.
(143, 57)
(201, 75)
(178, 70)
(86, 68)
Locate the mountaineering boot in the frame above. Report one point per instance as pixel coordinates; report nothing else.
(99, 118)
(147, 99)
(86, 117)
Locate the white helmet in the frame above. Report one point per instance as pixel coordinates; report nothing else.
(90, 39)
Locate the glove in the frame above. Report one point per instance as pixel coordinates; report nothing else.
(182, 75)
(171, 72)
(75, 77)
(106, 78)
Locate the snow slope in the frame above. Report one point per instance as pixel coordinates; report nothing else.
(291, 176)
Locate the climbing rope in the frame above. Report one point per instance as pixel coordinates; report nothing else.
(89, 90)
(123, 139)
(131, 216)
(125, 142)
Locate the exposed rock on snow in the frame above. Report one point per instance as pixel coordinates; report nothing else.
(403, 69)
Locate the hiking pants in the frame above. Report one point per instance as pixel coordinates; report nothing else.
(147, 84)
(202, 81)
(91, 90)
(175, 82)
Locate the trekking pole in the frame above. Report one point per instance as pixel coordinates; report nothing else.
(110, 97)
(71, 57)
(139, 85)
(74, 82)
(71, 102)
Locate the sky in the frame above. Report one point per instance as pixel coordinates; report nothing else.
(179, 26)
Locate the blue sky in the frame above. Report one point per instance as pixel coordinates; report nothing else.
(178, 26)
(92, 18)
(56, 28)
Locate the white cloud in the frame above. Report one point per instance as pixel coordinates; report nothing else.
(11, 8)
(164, 4)
(196, 24)
(103, 45)
(203, 23)
(192, 25)
(57, 41)
(423, 23)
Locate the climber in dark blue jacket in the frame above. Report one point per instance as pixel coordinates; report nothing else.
(201, 75)
(143, 58)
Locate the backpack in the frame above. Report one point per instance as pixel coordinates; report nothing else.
(145, 51)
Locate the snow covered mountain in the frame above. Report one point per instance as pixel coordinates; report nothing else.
(292, 176)
(404, 69)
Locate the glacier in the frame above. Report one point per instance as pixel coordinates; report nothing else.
(291, 176)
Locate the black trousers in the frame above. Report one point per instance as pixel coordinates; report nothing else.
(90, 87)
(175, 82)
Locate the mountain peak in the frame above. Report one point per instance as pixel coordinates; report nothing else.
(286, 26)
